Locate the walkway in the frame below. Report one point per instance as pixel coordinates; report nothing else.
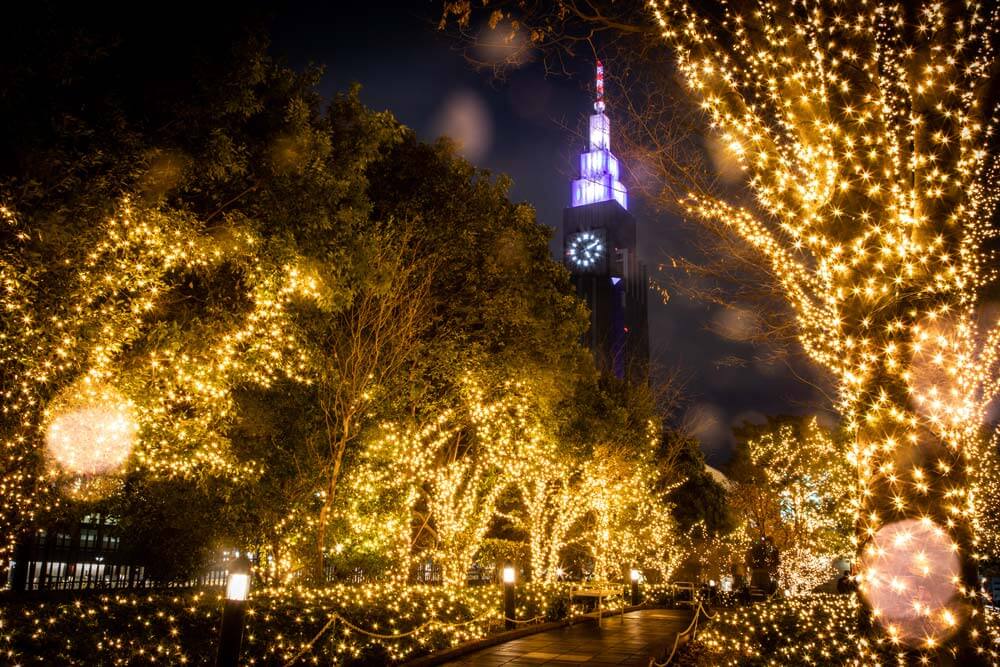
(633, 641)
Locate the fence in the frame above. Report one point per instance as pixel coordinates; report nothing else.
(76, 576)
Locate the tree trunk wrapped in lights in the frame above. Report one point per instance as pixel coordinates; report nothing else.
(628, 523)
(861, 130)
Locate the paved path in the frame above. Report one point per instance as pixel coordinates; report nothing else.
(631, 641)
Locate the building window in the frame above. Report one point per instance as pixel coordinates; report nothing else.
(88, 538)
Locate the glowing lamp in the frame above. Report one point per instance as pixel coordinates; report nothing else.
(509, 607)
(635, 575)
(238, 586)
(233, 613)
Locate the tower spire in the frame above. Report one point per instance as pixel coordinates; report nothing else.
(599, 176)
(599, 88)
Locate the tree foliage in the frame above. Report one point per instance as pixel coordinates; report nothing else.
(698, 498)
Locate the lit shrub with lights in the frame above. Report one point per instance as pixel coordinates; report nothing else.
(807, 630)
(111, 630)
(346, 623)
(814, 629)
(369, 624)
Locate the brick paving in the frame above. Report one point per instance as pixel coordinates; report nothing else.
(629, 641)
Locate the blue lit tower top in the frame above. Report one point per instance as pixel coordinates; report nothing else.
(598, 167)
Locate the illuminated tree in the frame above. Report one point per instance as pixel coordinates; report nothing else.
(541, 475)
(92, 322)
(791, 484)
(862, 134)
(385, 508)
(553, 503)
(628, 523)
(557, 495)
(365, 347)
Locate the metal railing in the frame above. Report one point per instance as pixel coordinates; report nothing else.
(96, 575)
(690, 632)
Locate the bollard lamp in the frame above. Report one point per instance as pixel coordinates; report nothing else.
(234, 612)
(509, 577)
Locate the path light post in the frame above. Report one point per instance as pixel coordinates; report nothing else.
(635, 574)
(509, 577)
(231, 632)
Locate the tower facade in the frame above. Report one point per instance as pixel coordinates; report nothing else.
(599, 244)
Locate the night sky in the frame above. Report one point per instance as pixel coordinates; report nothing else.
(518, 126)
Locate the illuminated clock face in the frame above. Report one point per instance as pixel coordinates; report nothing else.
(585, 250)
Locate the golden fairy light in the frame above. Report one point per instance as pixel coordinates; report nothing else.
(906, 557)
(863, 135)
(91, 432)
(813, 495)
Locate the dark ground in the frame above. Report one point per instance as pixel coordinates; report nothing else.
(629, 641)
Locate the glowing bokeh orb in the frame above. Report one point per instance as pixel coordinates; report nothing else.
(909, 575)
(91, 431)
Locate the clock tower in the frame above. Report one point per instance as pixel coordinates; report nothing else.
(599, 241)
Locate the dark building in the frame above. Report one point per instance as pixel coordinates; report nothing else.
(90, 554)
(599, 242)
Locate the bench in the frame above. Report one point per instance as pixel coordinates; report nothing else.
(599, 591)
(684, 593)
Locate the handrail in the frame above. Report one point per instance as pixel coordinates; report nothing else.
(335, 616)
(692, 628)
(526, 621)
